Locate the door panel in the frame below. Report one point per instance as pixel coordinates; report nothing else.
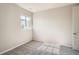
(75, 28)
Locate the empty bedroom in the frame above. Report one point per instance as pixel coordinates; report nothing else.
(39, 29)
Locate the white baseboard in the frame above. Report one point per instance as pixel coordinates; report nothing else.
(14, 47)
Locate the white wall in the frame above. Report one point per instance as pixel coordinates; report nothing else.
(53, 26)
(10, 30)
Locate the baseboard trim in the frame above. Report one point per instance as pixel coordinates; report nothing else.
(14, 47)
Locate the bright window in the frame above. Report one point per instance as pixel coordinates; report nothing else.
(25, 22)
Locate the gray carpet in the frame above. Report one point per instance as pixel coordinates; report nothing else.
(39, 48)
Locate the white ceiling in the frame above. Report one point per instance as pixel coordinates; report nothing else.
(36, 7)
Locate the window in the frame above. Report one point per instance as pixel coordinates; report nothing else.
(25, 22)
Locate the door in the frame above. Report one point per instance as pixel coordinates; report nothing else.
(75, 28)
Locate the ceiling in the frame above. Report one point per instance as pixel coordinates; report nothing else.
(36, 7)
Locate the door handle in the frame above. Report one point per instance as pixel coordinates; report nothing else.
(74, 33)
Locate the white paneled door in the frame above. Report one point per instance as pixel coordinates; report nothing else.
(75, 27)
